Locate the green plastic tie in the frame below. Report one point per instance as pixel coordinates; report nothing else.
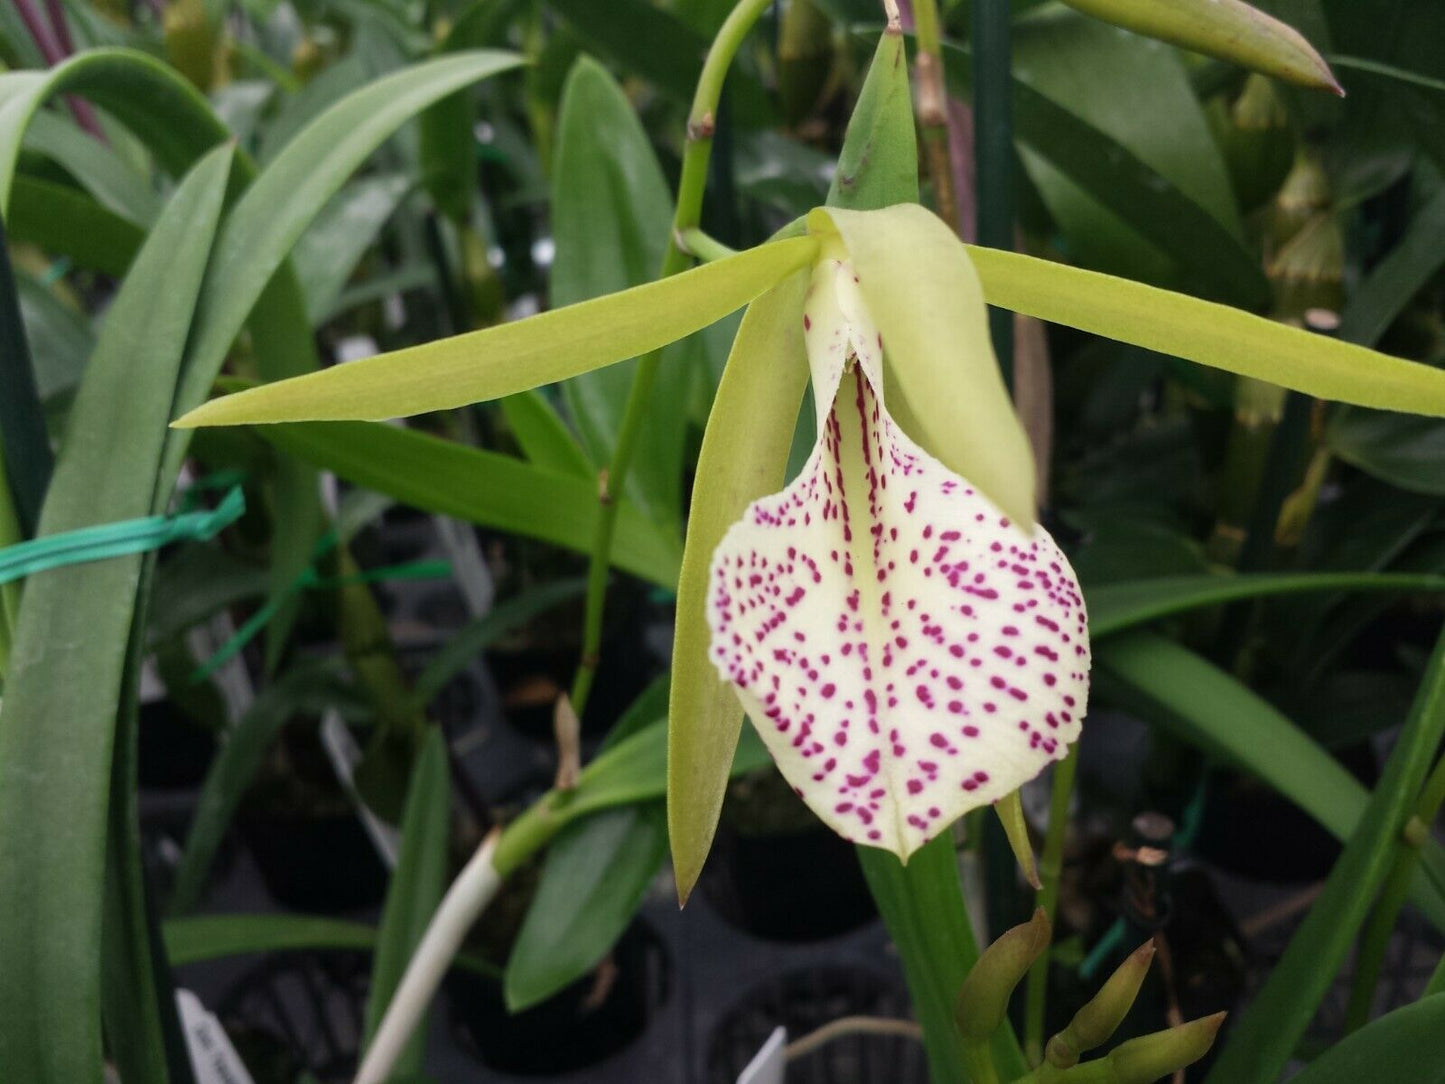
(117, 539)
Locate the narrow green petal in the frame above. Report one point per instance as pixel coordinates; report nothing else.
(744, 454)
(513, 357)
(942, 381)
(1208, 333)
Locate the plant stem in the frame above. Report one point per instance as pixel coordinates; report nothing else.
(465, 900)
(701, 120)
(703, 246)
(1050, 869)
(993, 151)
(933, 109)
(1370, 957)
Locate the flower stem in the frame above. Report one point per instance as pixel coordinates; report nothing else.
(703, 246)
(1376, 939)
(933, 109)
(701, 121)
(1050, 868)
(468, 896)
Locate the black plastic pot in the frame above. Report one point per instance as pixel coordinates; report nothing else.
(174, 752)
(321, 861)
(587, 1023)
(787, 886)
(803, 1001)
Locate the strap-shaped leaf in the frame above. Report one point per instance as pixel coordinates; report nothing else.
(503, 360)
(1116, 607)
(744, 453)
(479, 486)
(1208, 333)
(70, 652)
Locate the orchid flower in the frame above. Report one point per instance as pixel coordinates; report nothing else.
(906, 649)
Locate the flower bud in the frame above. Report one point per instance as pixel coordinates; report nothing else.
(1146, 1059)
(1254, 134)
(983, 1000)
(1095, 1022)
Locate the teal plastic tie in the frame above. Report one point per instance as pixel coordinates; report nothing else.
(117, 539)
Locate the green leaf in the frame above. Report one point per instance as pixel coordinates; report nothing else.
(1391, 283)
(1208, 333)
(611, 220)
(476, 636)
(481, 487)
(1052, 131)
(1178, 690)
(328, 252)
(447, 147)
(1405, 451)
(23, 440)
(1116, 607)
(596, 873)
(155, 102)
(498, 361)
(744, 452)
(70, 652)
(215, 937)
(1228, 29)
(658, 46)
(1262, 1042)
(922, 905)
(416, 888)
(1137, 97)
(110, 181)
(303, 688)
(60, 337)
(1406, 1046)
(543, 436)
(65, 222)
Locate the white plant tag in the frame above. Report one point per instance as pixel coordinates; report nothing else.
(213, 1058)
(770, 1063)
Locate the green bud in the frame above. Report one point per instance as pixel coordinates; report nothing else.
(1308, 271)
(1304, 194)
(1228, 29)
(1145, 1060)
(983, 1000)
(1095, 1022)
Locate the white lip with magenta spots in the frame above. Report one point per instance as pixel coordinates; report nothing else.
(905, 651)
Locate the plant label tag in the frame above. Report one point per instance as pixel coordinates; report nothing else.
(213, 1058)
(770, 1063)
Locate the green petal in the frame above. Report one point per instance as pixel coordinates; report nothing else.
(744, 453)
(513, 357)
(1210, 334)
(942, 383)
